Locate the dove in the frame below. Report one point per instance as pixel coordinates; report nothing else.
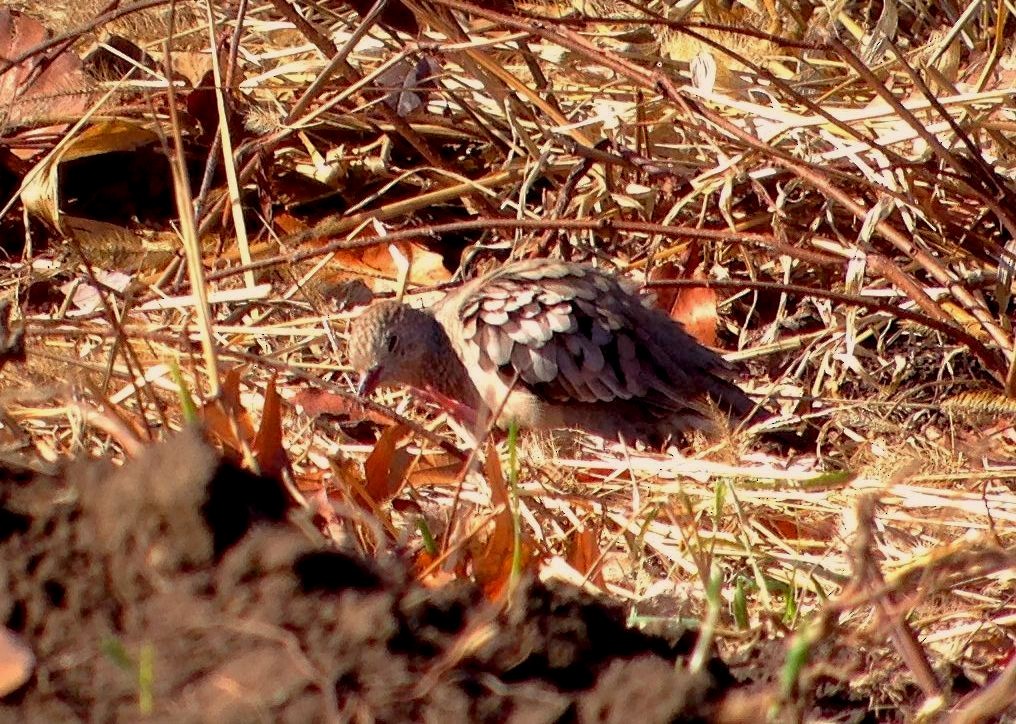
(553, 344)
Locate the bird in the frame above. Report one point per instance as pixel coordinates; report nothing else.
(548, 344)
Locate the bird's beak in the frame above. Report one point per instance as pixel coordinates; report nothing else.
(368, 381)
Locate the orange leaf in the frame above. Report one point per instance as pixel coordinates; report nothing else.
(426, 267)
(321, 402)
(492, 561)
(665, 272)
(495, 478)
(387, 465)
(432, 475)
(225, 417)
(426, 573)
(267, 448)
(785, 529)
(583, 554)
(695, 308)
(375, 266)
(288, 223)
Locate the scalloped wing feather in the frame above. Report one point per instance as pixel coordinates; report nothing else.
(572, 334)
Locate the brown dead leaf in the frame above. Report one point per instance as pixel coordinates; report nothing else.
(493, 559)
(321, 402)
(46, 85)
(377, 268)
(225, 417)
(288, 223)
(267, 447)
(387, 465)
(583, 554)
(427, 573)
(432, 475)
(784, 528)
(409, 82)
(495, 477)
(663, 297)
(693, 307)
(426, 267)
(40, 191)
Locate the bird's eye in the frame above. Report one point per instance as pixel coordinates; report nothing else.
(391, 342)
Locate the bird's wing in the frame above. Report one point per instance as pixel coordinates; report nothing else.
(571, 333)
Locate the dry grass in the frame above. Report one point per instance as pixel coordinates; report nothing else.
(849, 199)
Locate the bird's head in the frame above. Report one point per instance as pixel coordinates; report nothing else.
(389, 343)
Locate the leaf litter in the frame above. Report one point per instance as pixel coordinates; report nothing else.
(828, 194)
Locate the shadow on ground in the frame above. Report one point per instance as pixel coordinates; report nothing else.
(178, 589)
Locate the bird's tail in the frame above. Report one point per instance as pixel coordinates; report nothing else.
(733, 401)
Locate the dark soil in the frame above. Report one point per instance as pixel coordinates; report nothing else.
(179, 588)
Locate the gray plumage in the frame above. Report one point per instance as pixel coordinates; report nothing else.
(551, 344)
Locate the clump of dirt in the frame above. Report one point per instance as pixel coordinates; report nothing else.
(176, 588)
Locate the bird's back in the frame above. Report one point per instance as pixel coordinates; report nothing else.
(570, 345)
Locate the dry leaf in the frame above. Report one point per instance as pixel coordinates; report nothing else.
(319, 402)
(426, 267)
(87, 298)
(225, 417)
(40, 191)
(427, 574)
(387, 465)
(433, 475)
(665, 272)
(695, 308)
(46, 85)
(375, 266)
(492, 560)
(409, 84)
(267, 447)
(583, 554)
